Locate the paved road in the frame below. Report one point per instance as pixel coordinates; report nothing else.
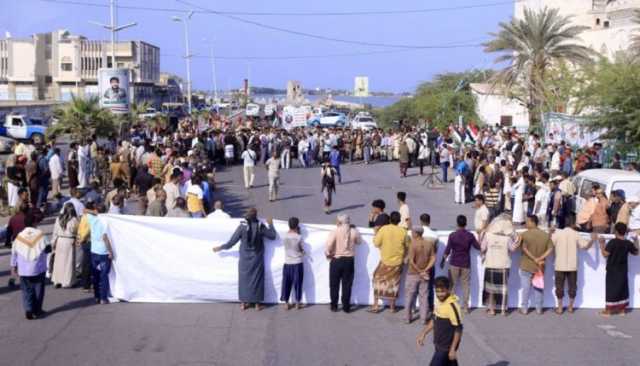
(76, 332)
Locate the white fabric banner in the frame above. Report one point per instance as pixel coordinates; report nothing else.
(171, 260)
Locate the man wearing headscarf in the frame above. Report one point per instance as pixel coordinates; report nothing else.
(29, 261)
(251, 234)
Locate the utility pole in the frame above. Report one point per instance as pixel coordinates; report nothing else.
(213, 71)
(187, 55)
(113, 28)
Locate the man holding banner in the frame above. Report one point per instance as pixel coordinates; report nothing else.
(251, 235)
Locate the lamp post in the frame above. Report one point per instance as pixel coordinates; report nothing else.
(187, 55)
(213, 71)
(113, 28)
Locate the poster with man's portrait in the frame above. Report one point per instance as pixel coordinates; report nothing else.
(113, 85)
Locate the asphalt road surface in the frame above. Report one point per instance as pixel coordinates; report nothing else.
(77, 332)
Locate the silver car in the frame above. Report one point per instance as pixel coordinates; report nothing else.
(6, 144)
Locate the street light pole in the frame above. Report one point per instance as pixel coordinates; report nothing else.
(213, 70)
(113, 28)
(187, 54)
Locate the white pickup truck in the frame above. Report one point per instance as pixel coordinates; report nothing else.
(22, 127)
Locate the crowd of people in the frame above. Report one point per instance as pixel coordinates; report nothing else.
(513, 180)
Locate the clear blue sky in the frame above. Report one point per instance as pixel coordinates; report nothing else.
(400, 71)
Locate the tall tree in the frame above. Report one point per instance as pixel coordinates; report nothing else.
(530, 46)
(614, 97)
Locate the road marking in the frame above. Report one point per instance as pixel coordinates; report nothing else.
(611, 331)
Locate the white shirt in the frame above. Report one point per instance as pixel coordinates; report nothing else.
(249, 157)
(218, 214)
(55, 167)
(481, 218)
(555, 161)
(542, 200)
(404, 215)
(634, 219)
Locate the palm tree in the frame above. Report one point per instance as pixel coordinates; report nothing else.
(531, 46)
(138, 109)
(82, 118)
(635, 38)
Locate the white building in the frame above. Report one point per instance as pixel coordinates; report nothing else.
(361, 87)
(494, 109)
(53, 66)
(610, 22)
(610, 28)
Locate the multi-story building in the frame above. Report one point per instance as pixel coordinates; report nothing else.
(609, 28)
(609, 23)
(53, 66)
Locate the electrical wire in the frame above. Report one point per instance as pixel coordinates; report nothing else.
(325, 38)
(301, 14)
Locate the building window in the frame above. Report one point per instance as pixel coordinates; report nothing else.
(606, 24)
(598, 21)
(66, 67)
(120, 65)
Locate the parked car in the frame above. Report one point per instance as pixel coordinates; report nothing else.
(252, 110)
(328, 119)
(149, 113)
(22, 127)
(364, 121)
(6, 144)
(608, 179)
(269, 110)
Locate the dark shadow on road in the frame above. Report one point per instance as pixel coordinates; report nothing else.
(501, 363)
(352, 207)
(224, 182)
(294, 197)
(73, 305)
(234, 204)
(349, 182)
(5, 253)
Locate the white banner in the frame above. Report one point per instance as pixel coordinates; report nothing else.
(171, 260)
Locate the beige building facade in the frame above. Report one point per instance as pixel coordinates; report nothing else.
(57, 65)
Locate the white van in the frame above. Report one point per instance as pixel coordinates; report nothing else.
(252, 110)
(609, 180)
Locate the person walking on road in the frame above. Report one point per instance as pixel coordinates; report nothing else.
(328, 177)
(446, 325)
(273, 174)
(29, 261)
(63, 240)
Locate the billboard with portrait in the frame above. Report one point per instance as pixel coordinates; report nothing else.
(113, 85)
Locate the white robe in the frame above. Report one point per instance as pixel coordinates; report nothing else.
(84, 166)
(518, 205)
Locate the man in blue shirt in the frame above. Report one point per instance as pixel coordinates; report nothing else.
(101, 255)
(334, 159)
